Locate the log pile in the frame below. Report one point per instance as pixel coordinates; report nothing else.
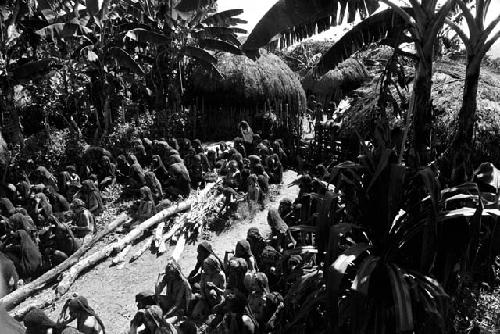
(201, 205)
(16, 297)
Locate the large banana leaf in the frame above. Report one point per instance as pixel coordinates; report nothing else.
(217, 45)
(224, 19)
(384, 26)
(192, 5)
(59, 31)
(125, 60)
(303, 18)
(36, 69)
(225, 34)
(146, 36)
(199, 54)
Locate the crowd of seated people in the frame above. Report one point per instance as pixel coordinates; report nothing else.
(45, 219)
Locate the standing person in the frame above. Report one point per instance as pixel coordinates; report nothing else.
(87, 321)
(281, 237)
(247, 135)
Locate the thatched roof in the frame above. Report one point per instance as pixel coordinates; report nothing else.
(448, 82)
(336, 83)
(248, 83)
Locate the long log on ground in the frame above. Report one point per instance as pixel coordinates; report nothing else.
(70, 276)
(121, 256)
(17, 296)
(142, 249)
(162, 248)
(158, 234)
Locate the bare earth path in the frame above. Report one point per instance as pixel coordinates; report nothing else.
(111, 291)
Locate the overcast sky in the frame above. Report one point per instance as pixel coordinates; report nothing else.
(255, 9)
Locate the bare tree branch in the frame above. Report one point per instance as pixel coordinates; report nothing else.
(463, 36)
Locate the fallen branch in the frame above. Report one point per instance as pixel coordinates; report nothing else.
(162, 248)
(143, 249)
(121, 256)
(70, 276)
(158, 234)
(17, 296)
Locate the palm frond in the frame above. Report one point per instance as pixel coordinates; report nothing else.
(299, 19)
(218, 45)
(385, 26)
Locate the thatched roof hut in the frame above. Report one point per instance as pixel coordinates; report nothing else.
(448, 81)
(247, 91)
(335, 84)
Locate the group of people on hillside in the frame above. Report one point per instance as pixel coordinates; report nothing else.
(46, 218)
(246, 290)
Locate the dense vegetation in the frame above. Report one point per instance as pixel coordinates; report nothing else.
(401, 251)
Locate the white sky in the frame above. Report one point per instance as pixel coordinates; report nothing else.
(255, 9)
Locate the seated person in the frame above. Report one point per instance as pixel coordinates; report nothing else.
(106, 175)
(153, 320)
(178, 295)
(83, 221)
(180, 183)
(212, 284)
(147, 207)
(91, 197)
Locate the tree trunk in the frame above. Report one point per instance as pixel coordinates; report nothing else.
(463, 140)
(421, 111)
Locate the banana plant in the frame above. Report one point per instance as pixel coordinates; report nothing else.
(477, 43)
(171, 42)
(395, 248)
(420, 23)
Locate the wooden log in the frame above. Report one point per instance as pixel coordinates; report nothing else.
(17, 296)
(162, 248)
(179, 248)
(121, 256)
(70, 276)
(144, 248)
(158, 235)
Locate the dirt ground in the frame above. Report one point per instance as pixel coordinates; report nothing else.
(111, 291)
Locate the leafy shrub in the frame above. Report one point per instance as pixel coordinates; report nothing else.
(119, 141)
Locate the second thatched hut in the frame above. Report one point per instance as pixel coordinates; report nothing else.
(249, 90)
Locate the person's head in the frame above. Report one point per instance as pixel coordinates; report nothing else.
(36, 321)
(253, 233)
(204, 251)
(243, 250)
(88, 186)
(77, 205)
(269, 259)
(285, 206)
(211, 265)
(105, 160)
(146, 193)
(244, 125)
(294, 261)
(187, 327)
(261, 283)
(145, 298)
(172, 270)
(232, 166)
